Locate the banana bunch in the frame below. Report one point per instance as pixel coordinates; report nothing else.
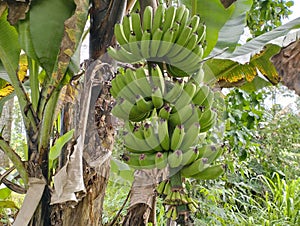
(175, 198)
(170, 35)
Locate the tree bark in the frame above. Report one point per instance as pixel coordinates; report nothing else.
(142, 205)
(96, 126)
(287, 63)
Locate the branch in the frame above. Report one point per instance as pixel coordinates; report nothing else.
(16, 160)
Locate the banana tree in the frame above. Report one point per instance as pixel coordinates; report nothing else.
(49, 34)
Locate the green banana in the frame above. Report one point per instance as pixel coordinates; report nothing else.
(182, 115)
(183, 23)
(208, 101)
(176, 90)
(134, 46)
(205, 126)
(189, 156)
(145, 44)
(132, 160)
(161, 186)
(136, 115)
(177, 137)
(194, 168)
(179, 13)
(165, 111)
(190, 137)
(192, 62)
(166, 43)
(120, 35)
(124, 89)
(136, 25)
(161, 160)
(130, 80)
(143, 82)
(127, 111)
(158, 17)
(169, 18)
(201, 31)
(210, 173)
(201, 95)
(118, 112)
(147, 161)
(157, 77)
(135, 144)
(143, 105)
(186, 96)
(182, 56)
(114, 88)
(163, 134)
(151, 136)
(175, 158)
(212, 153)
(194, 22)
(155, 43)
(170, 211)
(122, 55)
(198, 77)
(167, 188)
(147, 19)
(127, 28)
(157, 98)
(174, 214)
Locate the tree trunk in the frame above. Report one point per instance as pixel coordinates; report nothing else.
(142, 205)
(287, 63)
(5, 124)
(95, 132)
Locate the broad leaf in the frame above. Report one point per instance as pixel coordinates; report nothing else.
(232, 31)
(244, 53)
(241, 66)
(55, 150)
(228, 73)
(9, 46)
(46, 18)
(4, 193)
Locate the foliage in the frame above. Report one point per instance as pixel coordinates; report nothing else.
(261, 186)
(267, 15)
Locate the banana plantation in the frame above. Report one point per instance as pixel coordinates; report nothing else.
(149, 112)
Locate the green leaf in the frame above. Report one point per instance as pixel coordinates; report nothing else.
(57, 147)
(3, 100)
(8, 204)
(25, 38)
(4, 193)
(232, 31)
(46, 19)
(9, 46)
(244, 53)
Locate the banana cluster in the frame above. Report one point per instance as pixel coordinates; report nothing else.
(167, 120)
(170, 35)
(175, 198)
